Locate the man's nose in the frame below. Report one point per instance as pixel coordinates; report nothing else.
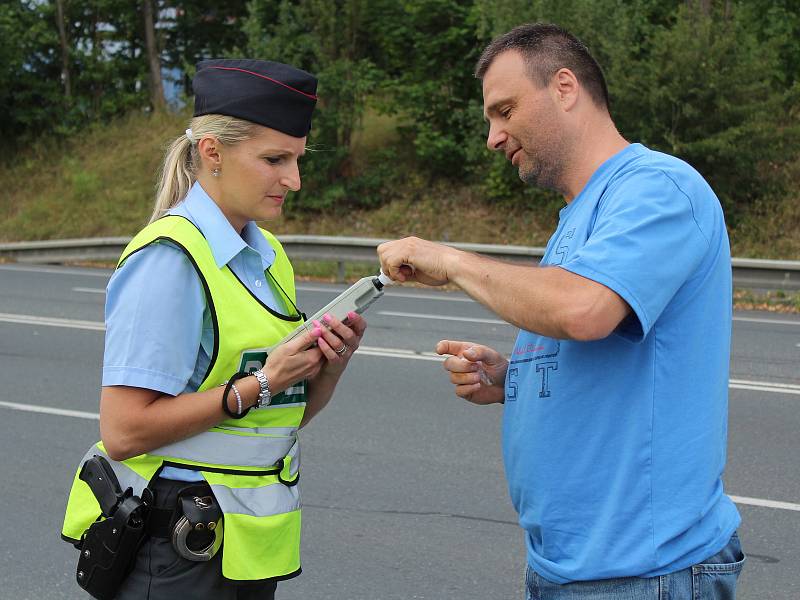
(496, 139)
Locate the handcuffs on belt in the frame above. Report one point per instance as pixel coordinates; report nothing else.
(197, 534)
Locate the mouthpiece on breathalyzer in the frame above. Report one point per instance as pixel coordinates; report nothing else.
(383, 279)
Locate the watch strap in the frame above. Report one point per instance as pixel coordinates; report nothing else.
(264, 394)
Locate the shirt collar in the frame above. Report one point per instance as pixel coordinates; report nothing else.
(604, 173)
(225, 243)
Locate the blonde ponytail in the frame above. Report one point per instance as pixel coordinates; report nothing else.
(181, 161)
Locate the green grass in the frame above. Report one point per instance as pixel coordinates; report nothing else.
(101, 183)
(774, 301)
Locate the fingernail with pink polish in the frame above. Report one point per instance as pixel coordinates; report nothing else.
(316, 323)
(327, 318)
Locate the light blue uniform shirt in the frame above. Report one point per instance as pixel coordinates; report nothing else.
(159, 333)
(614, 449)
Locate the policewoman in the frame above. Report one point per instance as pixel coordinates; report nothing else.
(195, 413)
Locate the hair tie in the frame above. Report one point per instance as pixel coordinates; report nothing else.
(189, 135)
(228, 386)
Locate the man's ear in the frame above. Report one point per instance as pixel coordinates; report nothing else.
(566, 88)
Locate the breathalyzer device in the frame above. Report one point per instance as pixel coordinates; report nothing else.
(357, 298)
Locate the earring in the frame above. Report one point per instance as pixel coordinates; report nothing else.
(215, 172)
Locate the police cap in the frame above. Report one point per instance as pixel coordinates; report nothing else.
(269, 93)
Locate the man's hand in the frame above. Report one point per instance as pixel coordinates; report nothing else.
(478, 372)
(413, 259)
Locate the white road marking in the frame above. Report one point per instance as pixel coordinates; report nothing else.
(32, 269)
(440, 296)
(390, 313)
(436, 296)
(736, 384)
(501, 322)
(450, 297)
(333, 292)
(399, 353)
(765, 503)
(772, 321)
(311, 288)
(51, 411)
(95, 416)
(764, 386)
(52, 322)
(315, 288)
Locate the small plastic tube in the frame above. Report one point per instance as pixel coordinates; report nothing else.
(384, 279)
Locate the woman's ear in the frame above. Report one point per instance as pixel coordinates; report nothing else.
(209, 150)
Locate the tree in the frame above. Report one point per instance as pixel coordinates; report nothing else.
(156, 87)
(713, 94)
(706, 81)
(427, 50)
(329, 39)
(199, 29)
(31, 96)
(62, 36)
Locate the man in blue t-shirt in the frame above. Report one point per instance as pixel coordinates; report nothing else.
(615, 416)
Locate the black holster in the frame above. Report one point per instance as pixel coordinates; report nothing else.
(108, 548)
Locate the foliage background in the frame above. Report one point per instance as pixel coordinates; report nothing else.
(712, 81)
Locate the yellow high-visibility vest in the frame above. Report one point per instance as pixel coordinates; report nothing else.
(252, 464)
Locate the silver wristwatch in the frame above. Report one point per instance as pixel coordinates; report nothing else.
(264, 395)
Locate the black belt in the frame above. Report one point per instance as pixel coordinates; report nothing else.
(165, 511)
(160, 522)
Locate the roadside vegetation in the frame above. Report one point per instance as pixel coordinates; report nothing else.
(778, 301)
(101, 182)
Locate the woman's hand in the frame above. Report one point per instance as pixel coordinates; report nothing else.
(334, 336)
(295, 360)
(338, 341)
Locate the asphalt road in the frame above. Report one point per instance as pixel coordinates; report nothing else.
(403, 482)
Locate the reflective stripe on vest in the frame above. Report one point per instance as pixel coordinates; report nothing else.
(245, 448)
(246, 500)
(255, 502)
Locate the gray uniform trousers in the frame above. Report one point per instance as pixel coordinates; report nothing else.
(160, 574)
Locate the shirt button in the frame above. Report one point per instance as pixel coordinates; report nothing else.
(258, 283)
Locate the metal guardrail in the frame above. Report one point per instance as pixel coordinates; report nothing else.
(747, 272)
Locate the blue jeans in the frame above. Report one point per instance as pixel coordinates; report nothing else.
(713, 579)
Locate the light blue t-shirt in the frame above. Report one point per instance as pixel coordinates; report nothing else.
(614, 449)
(159, 333)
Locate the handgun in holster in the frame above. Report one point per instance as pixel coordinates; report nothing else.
(109, 547)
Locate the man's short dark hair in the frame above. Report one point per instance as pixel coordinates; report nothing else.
(547, 48)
